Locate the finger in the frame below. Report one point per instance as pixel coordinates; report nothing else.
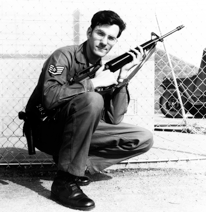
(134, 52)
(141, 50)
(134, 55)
(138, 50)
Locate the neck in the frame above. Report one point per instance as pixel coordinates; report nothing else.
(91, 57)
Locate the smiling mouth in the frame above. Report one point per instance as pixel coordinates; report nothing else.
(101, 48)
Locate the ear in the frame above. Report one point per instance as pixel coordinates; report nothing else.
(89, 32)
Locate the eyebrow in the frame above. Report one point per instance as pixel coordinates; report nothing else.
(99, 30)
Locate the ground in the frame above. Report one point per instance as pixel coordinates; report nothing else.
(156, 187)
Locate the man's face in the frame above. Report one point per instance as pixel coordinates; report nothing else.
(101, 39)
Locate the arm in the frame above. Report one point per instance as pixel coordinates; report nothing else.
(116, 105)
(56, 89)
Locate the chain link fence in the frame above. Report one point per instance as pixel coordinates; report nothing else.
(31, 31)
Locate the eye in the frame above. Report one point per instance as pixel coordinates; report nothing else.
(100, 33)
(111, 38)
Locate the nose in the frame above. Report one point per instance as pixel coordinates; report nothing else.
(104, 40)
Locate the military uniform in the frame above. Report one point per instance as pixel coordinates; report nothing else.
(77, 125)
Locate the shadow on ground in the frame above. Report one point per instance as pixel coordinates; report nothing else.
(33, 177)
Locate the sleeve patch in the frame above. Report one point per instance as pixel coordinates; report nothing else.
(56, 70)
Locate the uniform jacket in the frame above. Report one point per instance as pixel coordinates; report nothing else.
(54, 89)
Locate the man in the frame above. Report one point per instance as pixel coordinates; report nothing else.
(79, 127)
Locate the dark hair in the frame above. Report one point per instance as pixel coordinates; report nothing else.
(107, 17)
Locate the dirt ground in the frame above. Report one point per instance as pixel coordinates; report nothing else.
(156, 187)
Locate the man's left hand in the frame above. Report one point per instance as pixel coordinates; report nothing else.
(137, 56)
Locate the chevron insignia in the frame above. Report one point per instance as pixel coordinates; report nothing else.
(56, 70)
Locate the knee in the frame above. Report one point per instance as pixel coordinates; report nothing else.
(89, 103)
(142, 139)
(148, 139)
(94, 101)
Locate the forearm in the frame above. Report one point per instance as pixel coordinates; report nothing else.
(116, 105)
(56, 94)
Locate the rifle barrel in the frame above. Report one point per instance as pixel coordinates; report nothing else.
(153, 41)
(171, 32)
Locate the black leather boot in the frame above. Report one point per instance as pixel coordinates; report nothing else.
(81, 181)
(68, 193)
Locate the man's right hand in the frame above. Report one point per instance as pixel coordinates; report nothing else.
(104, 78)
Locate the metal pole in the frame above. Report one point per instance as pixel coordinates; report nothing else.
(174, 78)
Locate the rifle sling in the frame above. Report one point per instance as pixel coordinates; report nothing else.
(133, 73)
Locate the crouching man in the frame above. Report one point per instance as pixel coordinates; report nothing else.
(78, 126)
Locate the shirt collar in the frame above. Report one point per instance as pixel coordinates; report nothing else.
(80, 54)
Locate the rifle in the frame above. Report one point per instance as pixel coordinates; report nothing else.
(118, 62)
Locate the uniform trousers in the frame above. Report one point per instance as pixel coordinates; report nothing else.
(81, 140)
